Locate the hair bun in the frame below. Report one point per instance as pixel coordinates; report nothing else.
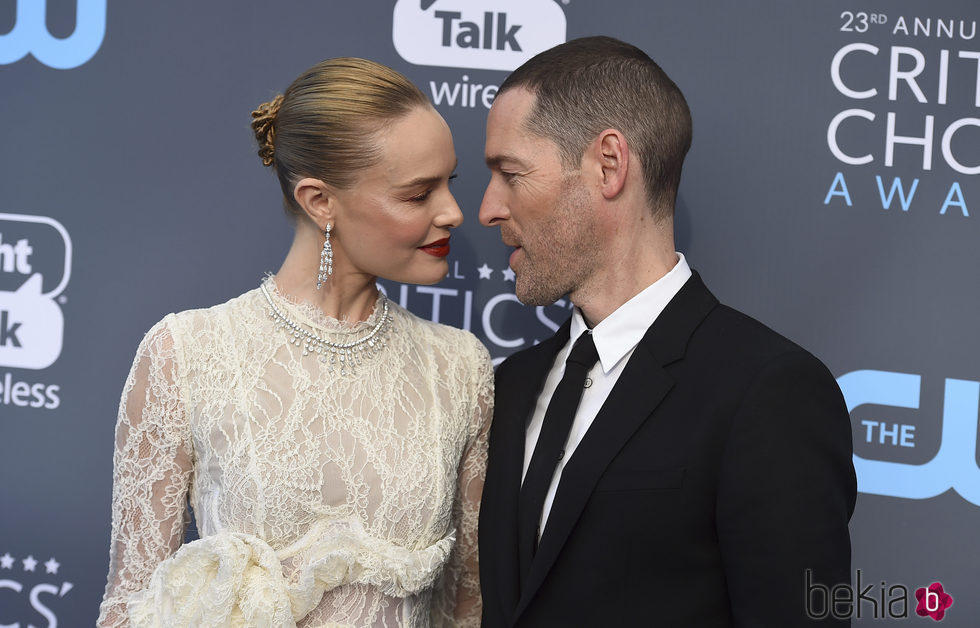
(263, 125)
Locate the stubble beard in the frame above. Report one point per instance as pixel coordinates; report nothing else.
(560, 251)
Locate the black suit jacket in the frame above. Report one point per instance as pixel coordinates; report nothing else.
(716, 474)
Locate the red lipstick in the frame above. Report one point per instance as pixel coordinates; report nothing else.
(439, 248)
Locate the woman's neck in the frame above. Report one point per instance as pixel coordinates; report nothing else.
(346, 295)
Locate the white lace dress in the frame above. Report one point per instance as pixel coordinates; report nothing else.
(321, 499)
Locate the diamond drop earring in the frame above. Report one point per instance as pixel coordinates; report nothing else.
(326, 259)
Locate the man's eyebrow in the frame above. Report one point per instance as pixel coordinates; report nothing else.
(494, 161)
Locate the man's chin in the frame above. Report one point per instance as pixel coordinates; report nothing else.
(534, 294)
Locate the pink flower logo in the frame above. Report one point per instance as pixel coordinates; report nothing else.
(933, 601)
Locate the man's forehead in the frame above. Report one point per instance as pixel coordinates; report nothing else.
(507, 133)
(512, 106)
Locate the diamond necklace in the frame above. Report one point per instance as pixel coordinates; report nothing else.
(348, 355)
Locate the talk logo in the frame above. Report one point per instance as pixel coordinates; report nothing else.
(497, 35)
(32, 325)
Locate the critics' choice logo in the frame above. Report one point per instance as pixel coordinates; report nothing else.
(499, 35)
(30, 588)
(953, 466)
(481, 299)
(30, 35)
(908, 102)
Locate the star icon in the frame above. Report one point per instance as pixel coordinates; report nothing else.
(29, 563)
(485, 271)
(51, 566)
(509, 274)
(7, 561)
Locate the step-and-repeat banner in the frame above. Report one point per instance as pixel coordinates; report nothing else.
(831, 192)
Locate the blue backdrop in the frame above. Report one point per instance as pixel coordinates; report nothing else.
(831, 192)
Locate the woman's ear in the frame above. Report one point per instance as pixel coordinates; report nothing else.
(317, 199)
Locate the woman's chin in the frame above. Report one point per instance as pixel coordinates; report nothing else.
(435, 273)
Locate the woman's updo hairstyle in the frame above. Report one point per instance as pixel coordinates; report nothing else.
(324, 125)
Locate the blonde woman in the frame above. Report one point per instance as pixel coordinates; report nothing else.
(331, 444)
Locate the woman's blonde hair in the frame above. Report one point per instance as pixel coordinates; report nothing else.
(325, 124)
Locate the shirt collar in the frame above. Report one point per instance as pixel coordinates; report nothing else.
(622, 330)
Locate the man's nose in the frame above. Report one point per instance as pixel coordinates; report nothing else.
(492, 209)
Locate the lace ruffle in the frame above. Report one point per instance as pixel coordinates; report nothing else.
(235, 579)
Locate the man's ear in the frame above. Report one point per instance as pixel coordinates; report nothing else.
(613, 159)
(317, 199)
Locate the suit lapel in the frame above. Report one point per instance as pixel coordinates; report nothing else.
(519, 382)
(640, 389)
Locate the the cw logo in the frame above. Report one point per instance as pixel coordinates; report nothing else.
(954, 465)
(30, 35)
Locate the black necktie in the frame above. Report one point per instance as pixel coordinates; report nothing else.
(550, 448)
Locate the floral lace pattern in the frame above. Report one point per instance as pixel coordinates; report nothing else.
(320, 499)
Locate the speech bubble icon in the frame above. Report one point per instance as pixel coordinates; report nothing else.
(32, 327)
(21, 227)
(498, 35)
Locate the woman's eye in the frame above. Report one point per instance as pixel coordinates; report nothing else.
(420, 198)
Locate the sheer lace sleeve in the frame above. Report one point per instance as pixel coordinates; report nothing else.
(458, 603)
(151, 473)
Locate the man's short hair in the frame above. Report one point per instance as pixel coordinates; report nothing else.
(587, 85)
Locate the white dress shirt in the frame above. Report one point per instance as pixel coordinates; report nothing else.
(615, 339)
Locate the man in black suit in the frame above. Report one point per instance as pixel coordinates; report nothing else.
(663, 460)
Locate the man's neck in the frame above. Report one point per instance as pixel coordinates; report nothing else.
(623, 274)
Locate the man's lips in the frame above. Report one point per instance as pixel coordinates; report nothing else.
(439, 248)
(510, 240)
(513, 256)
